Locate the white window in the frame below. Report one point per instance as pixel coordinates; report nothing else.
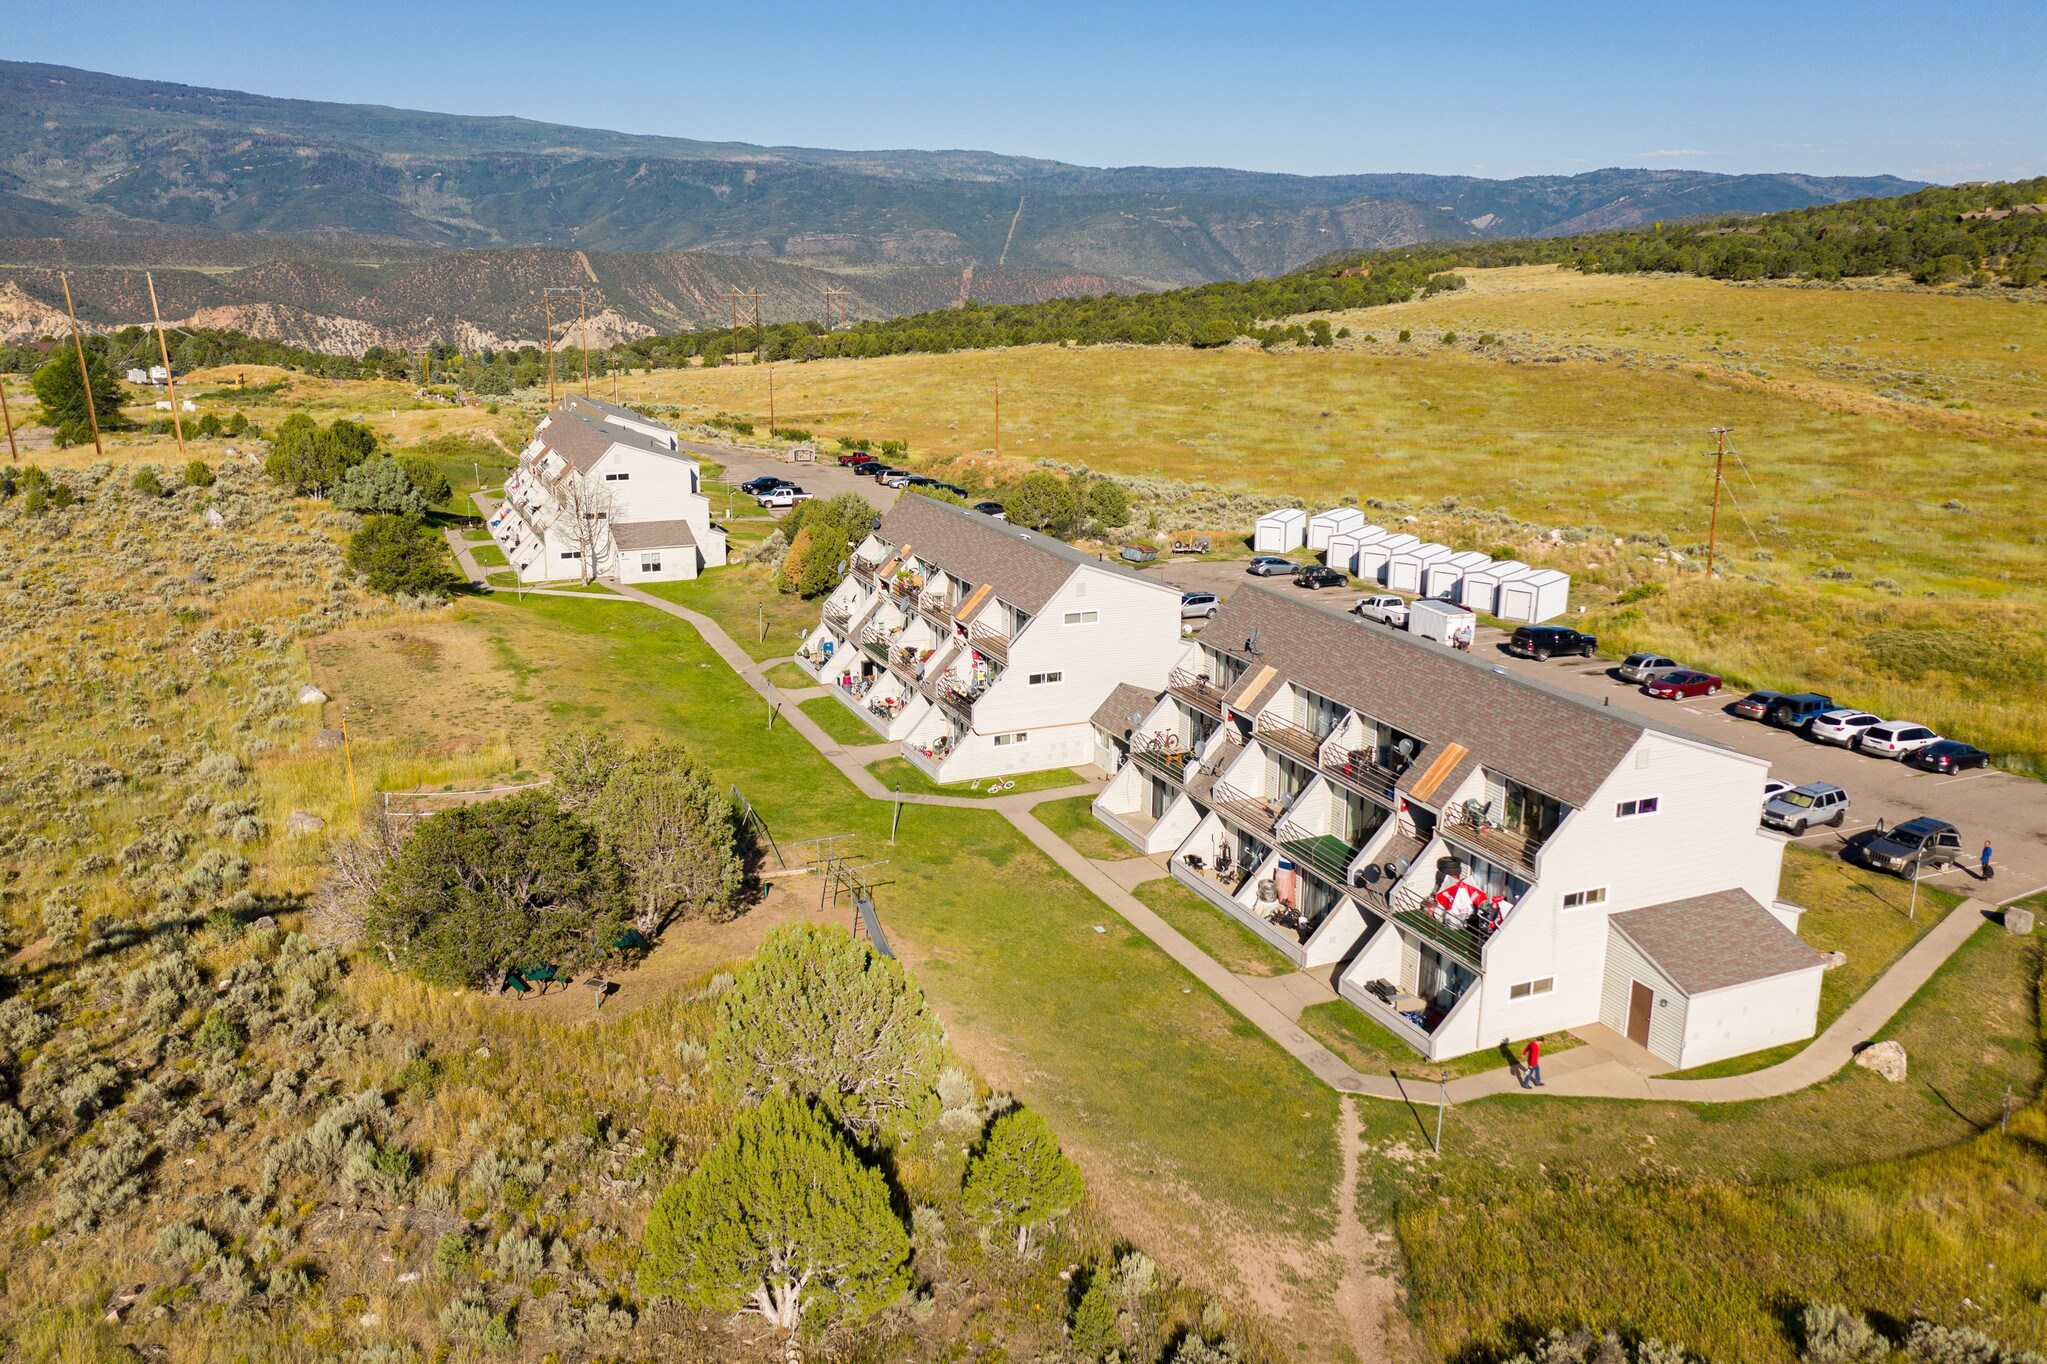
(651, 563)
(572, 554)
(1005, 740)
(1578, 899)
(1629, 809)
(1047, 679)
(1082, 617)
(617, 478)
(1532, 987)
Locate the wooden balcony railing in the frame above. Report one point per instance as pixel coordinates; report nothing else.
(1471, 823)
(1197, 691)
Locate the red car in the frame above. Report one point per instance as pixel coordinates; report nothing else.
(1683, 683)
(855, 457)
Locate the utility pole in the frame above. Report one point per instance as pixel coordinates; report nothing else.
(84, 374)
(547, 311)
(547, 339)
(771, 400)
(1713, 530)
(583, 321)
(998, 416)
(13, 454)
(170, 384)
(835, 301)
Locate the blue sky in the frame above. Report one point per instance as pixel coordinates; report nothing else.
(1936, 92)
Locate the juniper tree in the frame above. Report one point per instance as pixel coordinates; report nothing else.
(822, 1016)
(780, 1220)
(398, 554)
(1020, 1181)
(379, 485)
(677, 833)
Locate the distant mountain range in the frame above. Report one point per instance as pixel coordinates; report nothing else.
(411, 224)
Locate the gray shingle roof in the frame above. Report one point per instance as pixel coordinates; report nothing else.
(1547, 739)
(582, 440)
(636, 535)
(1113, 715)
(1024, 567)
(1709, 942)
(606, 409)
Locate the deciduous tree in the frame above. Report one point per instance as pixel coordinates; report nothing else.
(823, 1016)
(1020, 1181)
(781, 1220)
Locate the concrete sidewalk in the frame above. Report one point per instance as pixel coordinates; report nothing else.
(1607, 1067)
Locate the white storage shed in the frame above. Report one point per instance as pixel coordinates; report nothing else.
(1534, 597)
(1324, 526)
(1280, 532)
(1482, 585)
(1372, 555)
(1342, 553)
(1404, 570)
(1445, 578)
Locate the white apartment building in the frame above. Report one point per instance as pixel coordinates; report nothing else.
(983, 648)
(624, 476)
(1470, 856)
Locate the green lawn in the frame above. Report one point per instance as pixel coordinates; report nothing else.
(1886, 1197)
(789, 677)
(476, 535)
(1073, 819)
(1214, 932)
(743, 599)
(1847, 909)
(1347, 1031)
(899, 774)
(490, 556)
(834, 719)
(1098, 1030)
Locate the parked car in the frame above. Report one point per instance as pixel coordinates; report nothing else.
(994, 509)
(1797, 710)
(920, 481)
(1948, 755)
(894, 478)
(852, 457)
(1756, 704)
(1683, 683)
(1894, 739)
(1646, 667)
(1312, 576)
(1269, 566)
(1385, 608)
(955, 489)
(788, 495)
(871, 469)
(1773, 788)
(1198, 605)
(1843, 727)
(754, 487)
(1816, 802)
(1926, 843)
(1541, 642)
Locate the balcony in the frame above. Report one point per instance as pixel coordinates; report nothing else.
(862, 570)
(993, 643)
(1289, 738)
(1326, 855)
(1197, 691)
(1417, 912)
(1472, 823)
(838, 617)
(1172, 763)
(1359, 770)
(937, 610)
(1259, 814)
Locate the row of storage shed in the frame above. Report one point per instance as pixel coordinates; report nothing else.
(1509, 589)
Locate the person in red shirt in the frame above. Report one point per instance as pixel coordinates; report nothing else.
(1531, 1074)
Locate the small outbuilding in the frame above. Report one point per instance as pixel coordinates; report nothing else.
(1404, 570)
(1705, 978)
(1481, 587)
(1445, 577)
(1534, 597)
(1280, 532)
(1323, 526)
(1342, 553)
(1372, 556)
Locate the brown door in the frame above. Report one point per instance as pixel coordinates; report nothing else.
(1640, 1001)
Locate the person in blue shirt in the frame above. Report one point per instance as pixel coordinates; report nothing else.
(1987, 871)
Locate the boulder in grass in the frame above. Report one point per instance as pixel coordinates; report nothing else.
(327, 738)
(2018, 922)
(310, 695)
(1885, 1058)
(300, 822)
(1834, 959)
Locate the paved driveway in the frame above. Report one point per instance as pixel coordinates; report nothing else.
(822, 479)
(2009, 811)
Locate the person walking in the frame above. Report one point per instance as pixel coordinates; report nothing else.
(1988, 871)
(1531, 1073)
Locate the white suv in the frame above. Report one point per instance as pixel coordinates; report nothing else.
(1843, 727)
(1895, 738)
(1387, 610)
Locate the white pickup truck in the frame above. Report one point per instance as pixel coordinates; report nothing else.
(1387, 610)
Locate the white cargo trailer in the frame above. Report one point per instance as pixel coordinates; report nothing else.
(1535, 597)
(1323, 526)
(1445, 577)
(1445, 622)
(1280, 532)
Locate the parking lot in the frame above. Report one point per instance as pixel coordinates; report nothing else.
(2011, 812)
(822, 479)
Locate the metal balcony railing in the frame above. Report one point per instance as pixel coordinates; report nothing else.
(1197, 690)
(1260, 814)
(1360, 770)
(1417, 912)
(1288, 737)
(1474, 824)
(1166, 758)
(990, 642)
(1326, 855)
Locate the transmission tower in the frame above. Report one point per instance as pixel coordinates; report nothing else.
(753, 298)
(835, 302)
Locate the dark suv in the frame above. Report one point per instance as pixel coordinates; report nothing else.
(1797, 710)
(1320, 575)
(1541, 642)
(1926, 843)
